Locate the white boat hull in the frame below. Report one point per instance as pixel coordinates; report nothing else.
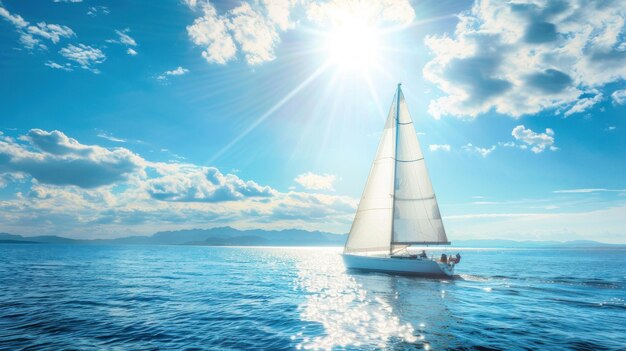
(397, 265)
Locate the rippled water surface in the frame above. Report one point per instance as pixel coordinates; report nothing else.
(85, 297)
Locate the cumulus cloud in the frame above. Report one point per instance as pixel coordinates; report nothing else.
(524, 57)
(256, 35)
(78, 189)
(53, 158)
(437, 147)
(314, 181)
(619, 97)
(188, 183)
(482, 151)
(131, 52)
(211, 32)
(86, 56)
(254, 28)
(537, 142)
(31, 35)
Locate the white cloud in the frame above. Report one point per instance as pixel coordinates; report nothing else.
(279, 12)
(583, 104)
(314, 181)
(88, 190)
(124, 38)
(97, 10)
(211, 32)
(110, 137)
(16, 20)
(52, 32)
(179, 71)
(31, 35)
(537, 142)
(437, 147)
(190, 183)
(588, 190)
(524, 57)
(52, 64)
(619, 97)
(86, 56)
(256, 35)
(60, 160)
(483, 151)
(254, 27)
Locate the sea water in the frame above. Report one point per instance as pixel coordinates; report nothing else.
(88, 297)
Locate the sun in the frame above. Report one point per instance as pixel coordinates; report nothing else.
(353, 45)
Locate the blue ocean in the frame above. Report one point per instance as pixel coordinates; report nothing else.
(90, 297)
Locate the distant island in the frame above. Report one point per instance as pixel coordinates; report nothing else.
(228, 236)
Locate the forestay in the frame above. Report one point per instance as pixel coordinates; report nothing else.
(398, 206)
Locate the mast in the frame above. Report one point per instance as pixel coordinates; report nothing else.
(395, 169)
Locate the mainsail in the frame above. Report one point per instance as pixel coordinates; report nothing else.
(398, 207)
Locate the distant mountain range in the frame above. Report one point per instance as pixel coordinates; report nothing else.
(223, 236)
(227, 236)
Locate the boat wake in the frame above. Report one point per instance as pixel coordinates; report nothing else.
(471, 278)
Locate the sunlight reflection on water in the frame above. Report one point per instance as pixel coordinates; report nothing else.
(350, 314)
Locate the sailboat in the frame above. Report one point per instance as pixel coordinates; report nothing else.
(398, 208)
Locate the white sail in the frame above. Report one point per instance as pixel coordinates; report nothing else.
(416, 217)
(371, 228)
(398, 207)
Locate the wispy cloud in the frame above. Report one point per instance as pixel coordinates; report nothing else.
(98, 10)
(588, 190)
(110, 137)
(124, 38)
(65, 67)
(439, 147)
(179, 71)
(482, 151)
(619, 97)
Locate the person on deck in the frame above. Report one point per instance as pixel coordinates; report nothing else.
(423, 254)
(444, 258)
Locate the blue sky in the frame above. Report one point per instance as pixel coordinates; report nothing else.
(126, 118)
